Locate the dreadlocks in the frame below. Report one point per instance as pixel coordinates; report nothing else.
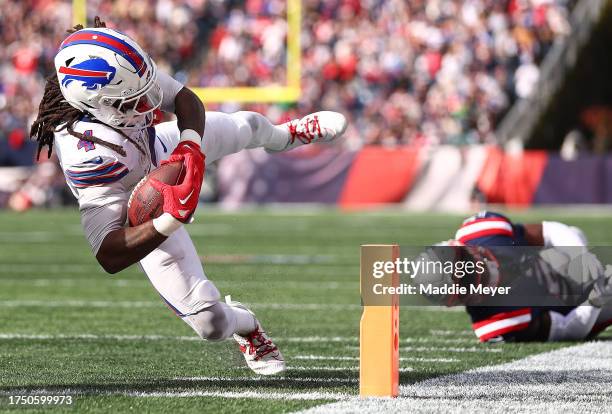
(55, 114)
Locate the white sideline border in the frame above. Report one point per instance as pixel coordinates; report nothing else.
(571, 379)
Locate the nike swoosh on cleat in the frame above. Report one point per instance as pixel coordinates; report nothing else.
(186, 199)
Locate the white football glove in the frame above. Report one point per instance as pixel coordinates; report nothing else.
(601, 294)
(587, 266)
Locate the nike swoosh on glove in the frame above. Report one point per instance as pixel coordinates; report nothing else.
(181, 200)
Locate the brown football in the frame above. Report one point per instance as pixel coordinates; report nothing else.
(146, 203)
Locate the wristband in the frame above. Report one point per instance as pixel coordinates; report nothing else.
(166, 224)
(189, 135)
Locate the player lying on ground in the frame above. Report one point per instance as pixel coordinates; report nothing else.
(543, 323)
(98, 112)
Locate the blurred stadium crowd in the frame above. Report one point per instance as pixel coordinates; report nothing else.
(405, 72)
(433, 71)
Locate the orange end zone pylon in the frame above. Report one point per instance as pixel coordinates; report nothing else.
(379, 327)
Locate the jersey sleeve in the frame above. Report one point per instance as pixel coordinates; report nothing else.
(102, 196)
(100, 178)
(170, 88)
(103, 209)
(97, 171)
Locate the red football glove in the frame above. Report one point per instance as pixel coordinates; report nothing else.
(181, 200)
(183, 148)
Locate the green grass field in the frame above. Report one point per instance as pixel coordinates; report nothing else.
(68, 328)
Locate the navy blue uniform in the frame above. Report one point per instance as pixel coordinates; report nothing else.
(498, 321)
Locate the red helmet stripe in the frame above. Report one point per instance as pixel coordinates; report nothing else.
(83, 72)
(103, 39)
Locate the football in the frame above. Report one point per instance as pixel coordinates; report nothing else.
(146, 203)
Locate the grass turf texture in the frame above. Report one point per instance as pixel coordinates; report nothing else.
(65, 326)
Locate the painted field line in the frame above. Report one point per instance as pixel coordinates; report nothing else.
(439, 340)
(97, 282)
(117, 337)
(348, 358)
(319, 339)
(159, 304)
(571, 379)
(402, 341)
(472, 349)
(47, 268)
(151, 304)
(159, 337)
(98, 337)
(290, 339)
(271, 379)
(448, 332)
(327, 368)
(259, 395)
(449, 349)
(263, 395)
(340, 369)
(79, 304)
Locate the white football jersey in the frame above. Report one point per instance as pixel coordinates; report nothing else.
(101, 178)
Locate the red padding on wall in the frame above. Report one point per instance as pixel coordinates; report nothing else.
(511, 178)
(379, 175)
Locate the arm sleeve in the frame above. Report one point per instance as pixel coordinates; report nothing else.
(559, 234)
(170, 88)
(575, 325)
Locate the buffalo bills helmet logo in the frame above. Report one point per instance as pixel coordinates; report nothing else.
(94, 73)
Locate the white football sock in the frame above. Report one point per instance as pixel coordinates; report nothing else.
(272, 137)
(245, 321)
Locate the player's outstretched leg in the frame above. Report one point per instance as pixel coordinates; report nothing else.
(323, 126)
(260, 353)
(227, 134)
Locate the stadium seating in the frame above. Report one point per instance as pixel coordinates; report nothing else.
(446, 76)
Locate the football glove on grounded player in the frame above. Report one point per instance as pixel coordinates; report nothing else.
(601, 294)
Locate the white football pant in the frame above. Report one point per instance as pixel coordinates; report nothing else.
(174, 268)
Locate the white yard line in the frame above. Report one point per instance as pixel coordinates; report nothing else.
(79, 304)
(340, 369)
(572, 379)
(290, 339)
(98, 337)
(97, 281)
(463, 340)
(259, 395)
(449, 349)
(457, 349)
(271, 379)
(448, 332)
(307, 339)
(347, 358)
(159, 304)
(151, 304)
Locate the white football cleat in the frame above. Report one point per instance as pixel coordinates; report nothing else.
(323, 126)
(260, 353)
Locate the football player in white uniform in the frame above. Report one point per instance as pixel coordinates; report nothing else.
(97, 112)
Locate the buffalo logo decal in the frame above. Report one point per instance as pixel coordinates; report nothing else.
(93, 73)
